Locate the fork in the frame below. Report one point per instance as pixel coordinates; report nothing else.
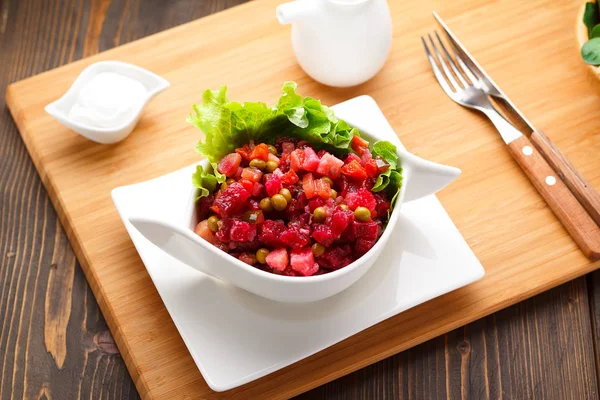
(466, 89)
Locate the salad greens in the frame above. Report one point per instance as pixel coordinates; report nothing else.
(227, 126)
(230, 125)
(590, 51)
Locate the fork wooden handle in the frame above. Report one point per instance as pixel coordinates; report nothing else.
(561, 200)
(581, 188)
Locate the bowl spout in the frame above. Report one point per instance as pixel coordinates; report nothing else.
(426, 177)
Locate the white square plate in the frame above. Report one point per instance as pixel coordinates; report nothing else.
(236, 337)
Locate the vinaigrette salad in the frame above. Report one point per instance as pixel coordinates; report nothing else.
(292, 190)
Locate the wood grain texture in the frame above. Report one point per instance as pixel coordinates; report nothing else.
(540, 348)
(567, 208)
(578, 184)
(531, 346)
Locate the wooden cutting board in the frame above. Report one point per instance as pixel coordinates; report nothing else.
(528, 47)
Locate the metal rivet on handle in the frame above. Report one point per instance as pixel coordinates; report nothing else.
(527, 150)
(550, 180)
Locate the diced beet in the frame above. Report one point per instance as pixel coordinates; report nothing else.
(311, 160)
(203, 206)
(366, 156)
(362, 197)
(314, 203)
(270, 233)
(253, 204)
(361, 246)
(351, 157)
(242, 231)
(252, 174)
(296, 159)
(229, 164)
(303, 261)
(297, 204)
(287, 147)
(232, 200)
(238, 173)
(365, 230)
(248, 258)
(340, 221)
(273, 185)
(258, 190)
(330, 166)
(278, 259)
(382, 204)
(323, 234)
(223, 234)
(295, 236)
(336, 257)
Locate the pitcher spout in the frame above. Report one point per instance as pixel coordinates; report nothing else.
(427, 177)
(294, 11)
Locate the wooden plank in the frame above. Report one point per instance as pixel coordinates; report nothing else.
(540, 348)
(504, 220)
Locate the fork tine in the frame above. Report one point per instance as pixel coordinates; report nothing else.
(458, 74)
(436, 71)
(460, 58)
(447, 71)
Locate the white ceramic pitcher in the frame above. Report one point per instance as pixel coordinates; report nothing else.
(339, 42)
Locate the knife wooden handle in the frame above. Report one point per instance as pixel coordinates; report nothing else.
(581, 188)
(561, 200)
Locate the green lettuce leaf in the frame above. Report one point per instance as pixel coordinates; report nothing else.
(207, 181)
(229, 125)
(387, 151)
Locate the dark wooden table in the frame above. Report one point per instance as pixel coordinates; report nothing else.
(54, 343)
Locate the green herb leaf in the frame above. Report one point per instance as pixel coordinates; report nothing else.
(595, 32)
(590, 51)
(387, 151)
(591, 16)
(396, 184)
(205, 181)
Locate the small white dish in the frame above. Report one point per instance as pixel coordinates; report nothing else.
(177, 238)
(59, 109)
(225, 327)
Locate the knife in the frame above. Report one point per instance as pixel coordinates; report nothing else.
(577, 184)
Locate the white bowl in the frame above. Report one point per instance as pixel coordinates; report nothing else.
(59, 109)
(420, 178)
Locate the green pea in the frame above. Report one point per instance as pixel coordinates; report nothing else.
(286, 193)
(333, 194)
(261, 255)
(223, 186)
(362, 214)
(272, 165)
(251, 216)
(344, 207)
(318, 249)
(278, 202)
(320, 214)
(230, 181)
(258, 164)
(327, 180)
(272, 149)
(213, 223)
(265, 204)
